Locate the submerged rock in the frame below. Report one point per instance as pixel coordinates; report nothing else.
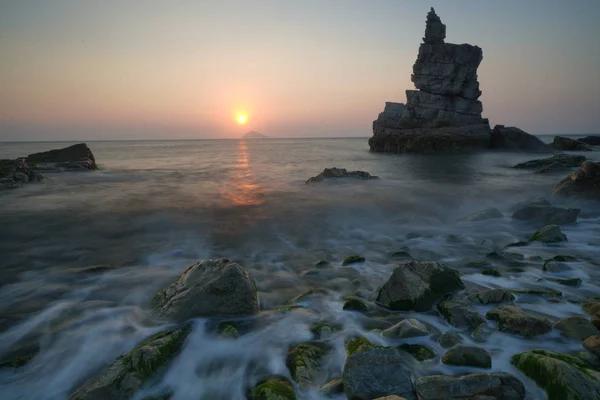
(591, 140)
(549, 234)
(75, 157)
(377, 372)
(482, 386)
(418, 285)
(340, 173)
(514, 139)
(449, 339)
(215, 287)
(304, 361)
(418, 351)
(122, 379)
(273, 388)
(546, 214)
(460, 314)
(470, 356)
(512, 319)
(354, 259)
(406, 329)
(563, 160)
(564, 143)
(492, 296)
(592, 344)
(578, 328)
(490, 213)
(582, 184)
(562, 376)
(354, 304)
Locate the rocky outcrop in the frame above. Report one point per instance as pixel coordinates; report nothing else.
(564, 143)
(418, 285)
(545, 214)
(340, 173)
(76, 157)
(16, 173)
(582, 184)
(552, 164)
(495, 385)
(514, 139)
(591, 140)
(444, 114)
(562, 376)
(207, 288)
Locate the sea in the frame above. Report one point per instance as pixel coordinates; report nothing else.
(83, 253)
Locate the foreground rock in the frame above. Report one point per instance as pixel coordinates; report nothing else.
(552, 164)
(16, 173)
(208, 288)
(122, 379)
(406, 329)
(377, 372)
(514, 139)
(340, 173)
(549, 234)
(582, 184)
(512, 319)
(483, 386)
(273, 388)
(564, 143)
(304, 361)
(418, 285)
(577, 328)
(545, 214)
(470, 356)
(460, 314)
(76, 157)
(562, 376)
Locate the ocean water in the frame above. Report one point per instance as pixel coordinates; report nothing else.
(82, 254)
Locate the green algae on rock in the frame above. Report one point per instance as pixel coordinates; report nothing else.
(128, 373)
(418, 351)
(467, 356)
(512, 319)
(354, 259)
(407, 328)
(354, 304)
(273, 388)
(563, 377)
(549, 234)
(359, 344)
(304, 361)
(478, 386)
(228, 331)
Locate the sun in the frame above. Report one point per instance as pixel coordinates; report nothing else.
(242, 119)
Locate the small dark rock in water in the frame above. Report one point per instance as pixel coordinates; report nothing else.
(490, 213)
(591, 140)
(377, 372)
(546, 215)
(592, 344)
(577, 328)
(418, 351)
(492, 296)
(562, 376)
(549, 234)
(406, 329)
(354, 304)
(555, 266)
(79, 156)
(582, 184)
(470, 356)
(353, 260)
(418, 285)
(449, 339)
(340, 173)
(491, 272)
(562, 160)
(15, 362)
(276, 387)
(569, 282)
(482, 386)
(482, 333)
(460, 314)
(514, 139)
(308, 293)
(564, 143)
(512, 319)
(322, 264)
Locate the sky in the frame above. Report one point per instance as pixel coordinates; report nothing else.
(155, 69)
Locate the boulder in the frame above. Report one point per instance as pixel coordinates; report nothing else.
(377, 372)
(406, 329)
(460, 314)
(564, 143)
(582, 184)
(557, 162)
(418, 285)
(482, 386)
(418, 351)
(304, 361)
(122, 379)
(546, 214)
(482, 333)
(215, 287)
(562, 376)
(512, 319)
(340, 173)
(549, 234)
(469, 356)
(449, 339)
(15, 173)
(490, 213)
(273, 388)
(492, 296)
(590, 140)
(577, 328)
(514, 139)
(76, 157)
(592, 344)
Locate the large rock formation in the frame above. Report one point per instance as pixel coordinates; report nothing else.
(444, 114)
(582, 184)
(77, 156)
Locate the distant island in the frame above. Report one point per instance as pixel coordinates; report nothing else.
(254, 135)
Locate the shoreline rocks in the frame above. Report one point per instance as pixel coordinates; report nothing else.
(565, 143)
(510, 138)
(340, 173)
(16, 173)
(583, 184)
(494, 385)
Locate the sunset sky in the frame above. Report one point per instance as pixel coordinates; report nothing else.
(95, 70)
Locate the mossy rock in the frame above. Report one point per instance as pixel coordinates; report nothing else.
(549, 234)
(563, 377)
(308, 293)
(354, 259)
(562, 258)
(16, 362)
(569, 282)
(418, 351)
(273, 388)
(354, 304)
(491, 272)
(332, 388)
(304, 361)
(356, 345)
(228, 331)
(516, 270)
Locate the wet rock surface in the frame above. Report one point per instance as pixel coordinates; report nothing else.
(582, 184)
(496, 385)
(330, 173)
(513, 319)
(515, 139)
(549, 234)
(565, 143)
(468, 356)
(75, 157)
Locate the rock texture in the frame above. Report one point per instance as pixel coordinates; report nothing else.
(591, 140)
(15, 173)
(514, 320)
(551, 164)
(208, 288)
(444, 114)
(549, 234)
(582, 184)
(483, 386)
(78, 156)
(340, 173)
(546, 214)
(468, 356)
(511, 138)
(564, 143)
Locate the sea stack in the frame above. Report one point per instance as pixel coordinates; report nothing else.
(444, 114)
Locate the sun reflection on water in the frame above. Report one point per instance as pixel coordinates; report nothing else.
(242, 187)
